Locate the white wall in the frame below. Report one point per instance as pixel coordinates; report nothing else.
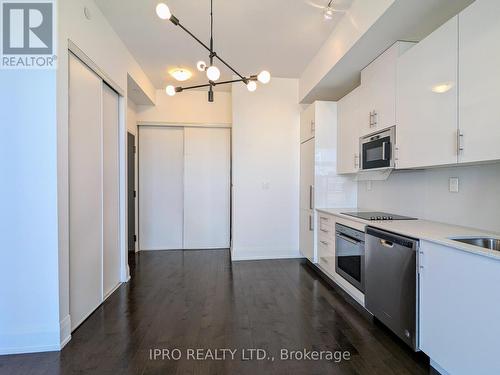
(189, 107)
(97, 39)
(425, 194)
(29, 289)
(265, 141)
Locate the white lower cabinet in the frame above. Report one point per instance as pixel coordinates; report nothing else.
(459, 310)
(326, 254)
(326, 243)
(306, 235)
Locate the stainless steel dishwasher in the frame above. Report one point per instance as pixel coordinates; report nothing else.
(391, 282)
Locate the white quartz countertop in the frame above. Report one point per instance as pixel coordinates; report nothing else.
(424, 230)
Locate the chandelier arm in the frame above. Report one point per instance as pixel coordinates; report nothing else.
(229, 66)
(215, 84)
(194, 36)
(208, 49)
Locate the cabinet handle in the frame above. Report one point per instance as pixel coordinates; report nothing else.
(375, 120)
(311, 197)
(313, 127)
(324, 243)
(396, 153)
(325, 231)
(356, 161)
(371, 119)
(460, 142)
(324, 218)
(311, 227)
(420, 261)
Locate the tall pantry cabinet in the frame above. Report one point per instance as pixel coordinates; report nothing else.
(320, 185)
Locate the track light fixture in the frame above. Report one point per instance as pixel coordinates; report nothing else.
(212, 71)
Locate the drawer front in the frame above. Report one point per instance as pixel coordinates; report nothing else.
(326, 254)
(326, 226)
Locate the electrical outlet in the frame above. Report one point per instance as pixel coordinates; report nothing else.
(454, 185)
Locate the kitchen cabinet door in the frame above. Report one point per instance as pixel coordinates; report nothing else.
(307, 123)
(459, 310)
(306, 234)
(479, 77)
(349, 121)
(427, 94)
(379, 85)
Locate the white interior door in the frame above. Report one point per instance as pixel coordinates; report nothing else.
(111, 190)
(207, 178)
(161, 174)
(85, 191)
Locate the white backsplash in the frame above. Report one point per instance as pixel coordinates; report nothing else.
(425, 194)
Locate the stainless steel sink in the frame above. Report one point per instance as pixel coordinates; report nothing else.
(485, 242)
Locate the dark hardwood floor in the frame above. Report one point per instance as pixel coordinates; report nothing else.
(199, 299)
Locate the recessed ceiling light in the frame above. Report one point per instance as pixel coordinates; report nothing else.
(181, 74)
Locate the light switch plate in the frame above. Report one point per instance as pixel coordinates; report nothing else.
(454, 185)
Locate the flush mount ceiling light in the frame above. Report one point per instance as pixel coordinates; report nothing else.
(212, 71)
(181, 74)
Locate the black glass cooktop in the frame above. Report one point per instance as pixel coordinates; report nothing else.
(377, 216)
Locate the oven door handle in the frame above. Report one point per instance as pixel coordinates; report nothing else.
(348, 239)
(384, 151)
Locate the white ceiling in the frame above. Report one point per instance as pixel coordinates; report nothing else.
(281, 36)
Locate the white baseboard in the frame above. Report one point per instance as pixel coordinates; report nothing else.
(113, 290)
(30, 342)
(263, 253)
(29, 349)
(65, 329)
(438, 368)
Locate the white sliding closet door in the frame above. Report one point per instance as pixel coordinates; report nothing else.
(206, 188)
(85, 186)
(161, 174)
(111, 190)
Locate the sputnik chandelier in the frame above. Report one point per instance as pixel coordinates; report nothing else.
(212, 71)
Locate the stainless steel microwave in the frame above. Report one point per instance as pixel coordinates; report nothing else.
(376, 150)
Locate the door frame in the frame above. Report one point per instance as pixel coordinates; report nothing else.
(134, 168)
(185, 125)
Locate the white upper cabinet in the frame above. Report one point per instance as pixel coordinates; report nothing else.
(479, 77)
(307, 123)
(378, 80)
(349, 130)
(427, 94)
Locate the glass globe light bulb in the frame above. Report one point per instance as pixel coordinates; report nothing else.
(252, 86)
(170, 90)
(264, 77)
(163, 11)
(201, 66)
(213, 73)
